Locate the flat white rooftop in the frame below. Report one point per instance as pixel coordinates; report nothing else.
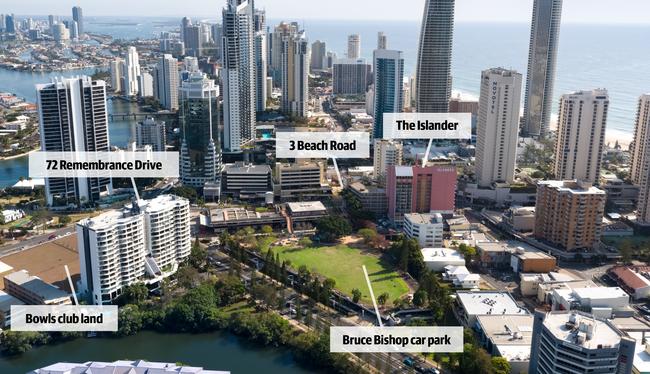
(306, 206)
(604, 335)
(440, 254)
(488, 303)
(122, 367)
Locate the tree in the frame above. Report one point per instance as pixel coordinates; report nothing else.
(475, 360)
(129, 320)
(198, 256)
(134, 294)
(331, 228)
(305, 242)
(266, 229)
(409, 256)
(368, 235)
(420, 298)
(500, 365)
(64, 219)
(356, 295)
(231, 290)
(381, 299)
(625, 249)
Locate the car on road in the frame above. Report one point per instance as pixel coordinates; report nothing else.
(51, 237)
(408, 361)
(432, 371)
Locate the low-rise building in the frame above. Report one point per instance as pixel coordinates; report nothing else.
(6, 301)
(531, 261)
(139, 366)
(427, 229)
(301, 180)
(461, 277)
(10, 215)
(471, 304)
(223, 219)
(602, 302)
(519, 256)
(520, 218)
(508, 336)
(635, 280)
(32, 290)
(437, 259)
(372, 198)
(246, 181)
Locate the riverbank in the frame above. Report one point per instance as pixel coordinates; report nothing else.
(24, 154)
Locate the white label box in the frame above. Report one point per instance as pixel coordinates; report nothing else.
(372, 339)
(427, 125)
(322, 144)
(64, 317)
(121, 164)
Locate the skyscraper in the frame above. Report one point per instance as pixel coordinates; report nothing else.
(640, 150)
(386, 153)
(295, 72)
(318, 55)
(166, 78)
(10, 24)
(238, 75)
(497, 129)
(354, 46)
(581, 135)
(261, 55)
(193, 37)
(200, 156)
(131, 72)
(275, 63)
(542, 54)
(77, 16)
(382, 41)
(73, 118)
(388, 92)
(434, 57)
(350, 77)
(117, 67)
(579, 343)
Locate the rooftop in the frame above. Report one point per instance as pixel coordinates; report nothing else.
(489, 302)
(240, 168)
(633, 278)
(423, 219)
(437, 254)
(306, 206)
(6, 301)
(573, 187)
(582, 330)
(512, 334)
(122, 367)
(36, 285)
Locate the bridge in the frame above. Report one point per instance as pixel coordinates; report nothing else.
(140, 116)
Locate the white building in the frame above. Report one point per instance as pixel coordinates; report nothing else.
(10, 215)
(131, 72)
(139, 366)
(151, 132)
(498, 126)
(437, 259)
(386, 153)
(145, 243)
(640, 150)
(354, 46)
(600, 301)
(581, 135)
(117, 73)
(576, 342)
(508, 336)
(471, 304)
(427, 229)
(295, 71)
(145, 84)
(167, 82)
(238, 75)
(461, 277)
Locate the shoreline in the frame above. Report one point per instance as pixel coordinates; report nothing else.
(20, 155)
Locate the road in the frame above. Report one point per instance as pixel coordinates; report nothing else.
(20, 245)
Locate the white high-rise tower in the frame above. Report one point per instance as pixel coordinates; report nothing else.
(640, 150)
(131, 72)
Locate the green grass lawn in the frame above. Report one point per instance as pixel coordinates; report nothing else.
(343, 264)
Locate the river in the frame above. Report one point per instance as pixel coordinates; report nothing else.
(215, 351)
(23, 85)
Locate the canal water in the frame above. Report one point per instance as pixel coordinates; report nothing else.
(215, 351)
(22, 84)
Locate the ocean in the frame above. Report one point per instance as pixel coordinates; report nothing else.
(615, 57)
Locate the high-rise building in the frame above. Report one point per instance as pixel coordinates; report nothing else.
(386, 153)
(416, 189)
(261, 69)
(279, 33)
(200, 156)
(151, 133)
(144, 242)
(427, 229)
(434, 57)
(10, 24)
(217, 36)
(166, 77)
(542, 54)
(388, 92)
(382, 41)
(569, 214)
(145, 84)
(193, 38)
(318, 55)
(640, 150)
(238, 75)
(77, 16)
(295, 74)
(117, 67)
(579, 343)
(581, 135)
(73, 117)
(354, 46)
(131, 72)
(351, 77)
(498, 123)
(60, 33)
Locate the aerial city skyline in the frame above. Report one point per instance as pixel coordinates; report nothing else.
(343, 207)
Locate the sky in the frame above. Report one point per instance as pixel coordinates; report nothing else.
(574, 11)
